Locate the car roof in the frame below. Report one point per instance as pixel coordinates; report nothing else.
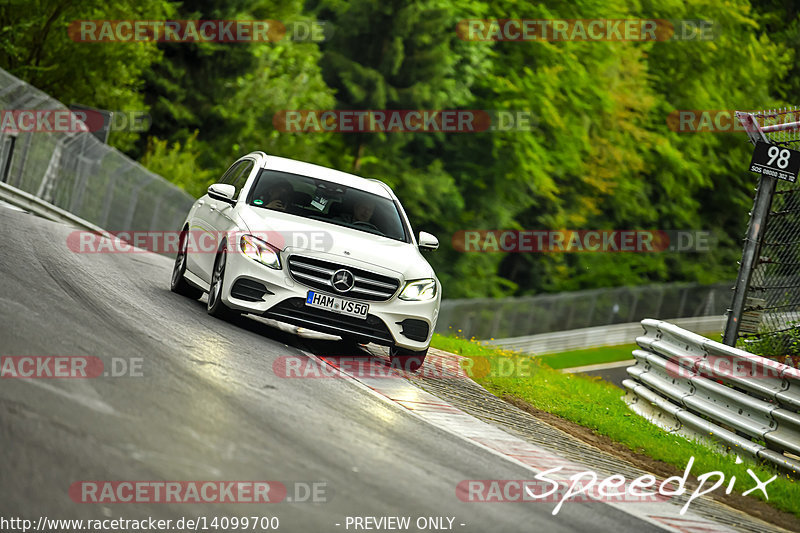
(293, 166)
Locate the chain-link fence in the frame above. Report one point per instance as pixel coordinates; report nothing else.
(771, 312)
(78, 173)
(515, 317)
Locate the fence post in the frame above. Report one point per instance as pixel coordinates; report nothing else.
(81, 177)
(755, 234)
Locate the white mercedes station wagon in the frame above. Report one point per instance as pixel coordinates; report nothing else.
(312, 247)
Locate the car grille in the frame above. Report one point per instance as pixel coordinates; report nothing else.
(317, 273)
(295, 311)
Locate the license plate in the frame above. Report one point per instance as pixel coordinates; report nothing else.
(337, 305)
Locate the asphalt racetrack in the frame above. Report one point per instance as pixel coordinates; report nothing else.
(206, 405)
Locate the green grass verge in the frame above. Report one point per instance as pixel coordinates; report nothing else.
(589, 356)
(598, 405)
(594, 356)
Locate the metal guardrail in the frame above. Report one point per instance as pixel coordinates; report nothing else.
(683, 381)
(578, 339)
(37, 206)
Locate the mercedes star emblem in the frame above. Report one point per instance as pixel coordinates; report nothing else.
(343, 280)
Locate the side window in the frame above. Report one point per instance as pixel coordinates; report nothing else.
(232, 173)
(241, 176)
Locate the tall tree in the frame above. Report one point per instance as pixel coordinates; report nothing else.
(36, 46)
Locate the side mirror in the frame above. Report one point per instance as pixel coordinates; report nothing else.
(427, 241)
(222, 192)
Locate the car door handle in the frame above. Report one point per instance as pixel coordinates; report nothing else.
(200, 202)
(212, 207)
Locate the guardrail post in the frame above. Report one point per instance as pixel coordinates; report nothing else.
(50, 175)
(684, 294)
(133, 199)
(755, 234)
(498, 317)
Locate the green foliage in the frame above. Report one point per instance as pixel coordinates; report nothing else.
(35, 46)
(782, 346)
(285, 76)
(179, 164)
(600, 153)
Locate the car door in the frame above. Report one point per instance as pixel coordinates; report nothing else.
(203, 227)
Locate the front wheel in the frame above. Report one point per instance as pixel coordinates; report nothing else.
(407, 360)
(178, 283)
(216, 307)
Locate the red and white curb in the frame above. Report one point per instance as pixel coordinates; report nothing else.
(400, 392)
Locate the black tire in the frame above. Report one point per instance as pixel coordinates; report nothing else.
(216, 307)
(354, 341)
(407, 360)
(353, 346)
(178, 283)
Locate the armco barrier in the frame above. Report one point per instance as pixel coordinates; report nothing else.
(39, 207)
(682, 380)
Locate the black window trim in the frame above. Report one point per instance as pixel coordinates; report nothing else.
(407, 235)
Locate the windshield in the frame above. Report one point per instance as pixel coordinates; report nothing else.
(328, 202)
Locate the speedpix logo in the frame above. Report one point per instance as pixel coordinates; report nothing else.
(551, 485)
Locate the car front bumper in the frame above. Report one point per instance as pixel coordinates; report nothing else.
(406, 324)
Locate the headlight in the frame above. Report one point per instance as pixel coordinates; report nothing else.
(421, 289)
(260, 251)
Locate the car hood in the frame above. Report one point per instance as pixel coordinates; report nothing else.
(294, 234)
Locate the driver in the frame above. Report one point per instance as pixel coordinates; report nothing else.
(279, 195)
(362, 212)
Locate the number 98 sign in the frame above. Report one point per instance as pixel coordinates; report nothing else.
(775, 161)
